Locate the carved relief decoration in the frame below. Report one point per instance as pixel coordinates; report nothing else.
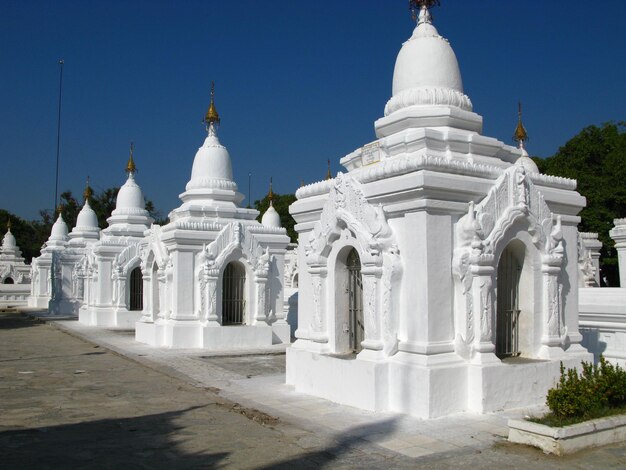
(347, 213)
(479, 234)
(213, 257)
(347, 206)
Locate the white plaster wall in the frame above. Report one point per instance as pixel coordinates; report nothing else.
(603, 322)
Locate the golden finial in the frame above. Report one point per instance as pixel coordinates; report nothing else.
(270, 195)
(212, 117)
(59, 209)
(130, 166)
(88, 192)
(301, 183)
(520, 135)
(329, 175)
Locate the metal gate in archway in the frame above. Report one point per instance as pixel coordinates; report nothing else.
(508, 311)
(355, 301)
(233, 294)
(136, 290)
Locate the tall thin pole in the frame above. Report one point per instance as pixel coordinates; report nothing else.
(249, 192)
(56, 180)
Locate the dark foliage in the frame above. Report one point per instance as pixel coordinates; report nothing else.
(593, 392)
(596, 158)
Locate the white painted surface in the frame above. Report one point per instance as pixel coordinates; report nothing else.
(430, 217)
(568, 439)
(184, 262)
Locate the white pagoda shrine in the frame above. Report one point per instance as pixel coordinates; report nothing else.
(438, 274)
(113, 294)
(46, 269)
(213, 276)
(72, 261)
(14, 272)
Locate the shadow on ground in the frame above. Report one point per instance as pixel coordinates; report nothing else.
(141, 442)
(348, 450)
(10, 320)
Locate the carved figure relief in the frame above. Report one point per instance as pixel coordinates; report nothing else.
(480, 232)
(347, 214)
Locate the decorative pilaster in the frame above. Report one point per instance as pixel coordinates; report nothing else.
(371, 275)
(119, 287)
(482, 314)
(166, 279)
(551, 335)
(148, 295)
(618, 234)
(318, 325)
(209, 278)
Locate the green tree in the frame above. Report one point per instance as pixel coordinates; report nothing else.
(596, 158)
(31, 235)
(281, 203)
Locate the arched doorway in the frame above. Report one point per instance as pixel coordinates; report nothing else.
(135, 301)
(508, 301)
(233, 294)
(355, 301)
(294, 281)
(9, 280)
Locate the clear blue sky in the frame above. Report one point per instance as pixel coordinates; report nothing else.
(297, 83)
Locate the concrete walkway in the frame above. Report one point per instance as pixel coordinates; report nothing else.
(314, 432)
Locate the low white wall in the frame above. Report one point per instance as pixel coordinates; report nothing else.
(602, 319)
(14, 295)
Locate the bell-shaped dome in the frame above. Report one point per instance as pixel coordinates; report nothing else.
(59, 230)
(130, 196)
(86, 217)
(526, 162)
(271, 218)
(427, 71)
(212, 168)
(9, 242)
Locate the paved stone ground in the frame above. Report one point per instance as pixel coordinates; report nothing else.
(107, 402)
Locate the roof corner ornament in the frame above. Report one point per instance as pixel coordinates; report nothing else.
(212, 118)
(422, 6)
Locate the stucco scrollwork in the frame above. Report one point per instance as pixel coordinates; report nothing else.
(347, 206)
(482, 231)
(347, 211)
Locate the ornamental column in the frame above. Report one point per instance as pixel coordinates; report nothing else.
(208, 295)
(482, 311)
(593, 246)
(371, 275)
(318, 326)
(552, 310)
(148, 306)
(618, 234)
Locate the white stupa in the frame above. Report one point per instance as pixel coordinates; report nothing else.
(271, 218)
(213, 274)
(435, 261)
(14, 272)
(112, 266)
(73, 261)
(46, 270)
